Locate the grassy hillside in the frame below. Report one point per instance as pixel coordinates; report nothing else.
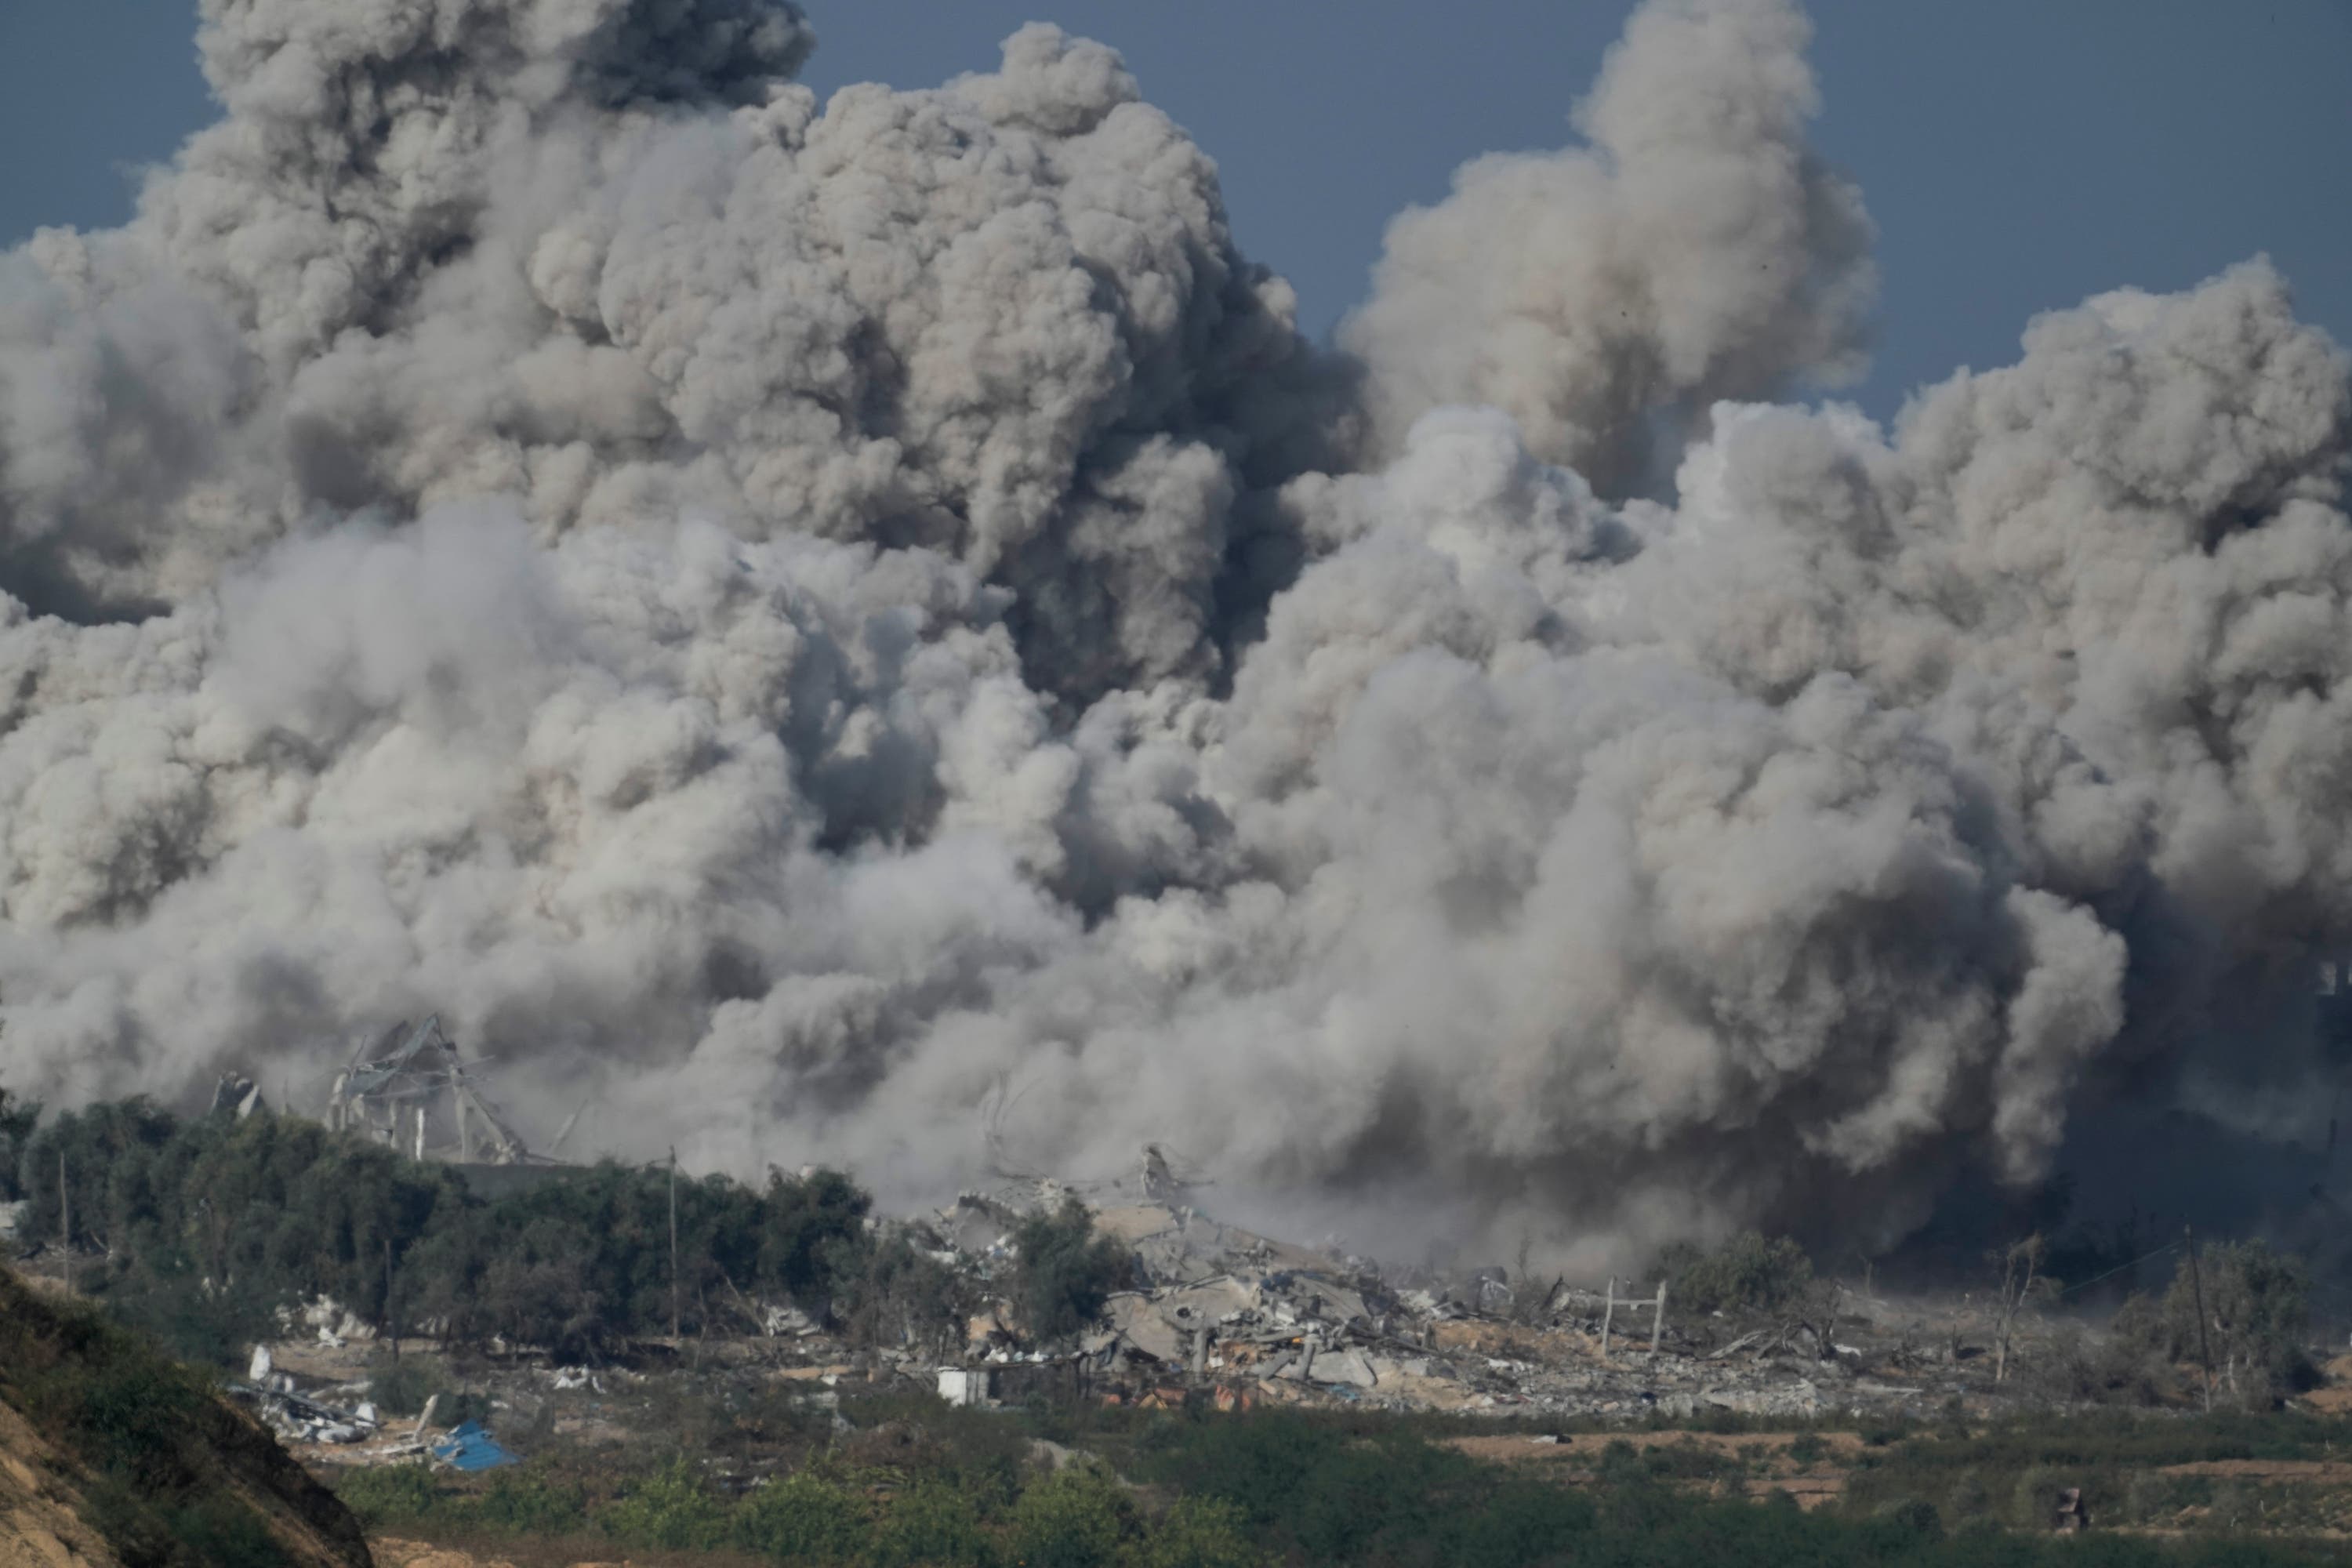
(114, 1453)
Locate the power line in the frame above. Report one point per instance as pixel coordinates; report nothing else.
(2118, 1268)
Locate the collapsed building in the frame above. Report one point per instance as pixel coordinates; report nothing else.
(414, 1088)
(1219, 1313)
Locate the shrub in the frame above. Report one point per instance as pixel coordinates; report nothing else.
(1903, 1526)
(671, 1509)
(402, 1388)
(929, 1525)
(1198, 1533)
(1065, 1273)
(1747, 1273)
(527, 1501)
(801, 1518)
(389, 1494)
(1075, 1518)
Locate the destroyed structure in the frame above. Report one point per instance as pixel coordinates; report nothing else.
(1221, 1314)
(414, 1088)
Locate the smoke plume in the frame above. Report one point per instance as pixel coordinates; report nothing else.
(841, 628)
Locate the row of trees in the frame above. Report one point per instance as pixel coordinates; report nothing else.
(210, 1229)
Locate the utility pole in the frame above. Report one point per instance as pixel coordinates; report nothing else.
(2197, 1287)
(673, 1244)
(65, 1219)
(391, 1316)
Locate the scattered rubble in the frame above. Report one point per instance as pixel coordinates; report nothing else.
(1241, 1318)
(319, 1415)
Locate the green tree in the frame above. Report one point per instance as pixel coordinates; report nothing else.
(905, 1298)
(2257, 1306)
(811, 1237)
(1748, 1273)
(1063, 1272)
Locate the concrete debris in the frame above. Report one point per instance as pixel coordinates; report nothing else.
(334, 1324)
(1233, 1318)
(297, 1418)
(788, 1321)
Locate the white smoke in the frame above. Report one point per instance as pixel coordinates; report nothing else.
(832, 627)
(1603, 295)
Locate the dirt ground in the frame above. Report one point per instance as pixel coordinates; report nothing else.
(2301, 1472)
(392, 1551)
(1811, 1485)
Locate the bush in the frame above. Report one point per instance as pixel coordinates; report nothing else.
(386, 1495)
(1746, 1274)
(2077, 1366)
(670, 1509)
(1065, 1272)
(402, 1388)
(801, 1518)
(527, 1501)
(1074, 1519)
(929, 1525)
(1198, 1533)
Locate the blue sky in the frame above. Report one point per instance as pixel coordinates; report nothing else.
(2017, 154)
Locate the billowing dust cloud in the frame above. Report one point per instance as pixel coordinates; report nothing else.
(835, 628)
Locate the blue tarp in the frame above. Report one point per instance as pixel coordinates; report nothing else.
(469, 1448)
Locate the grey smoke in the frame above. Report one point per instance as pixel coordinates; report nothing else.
(845, 629)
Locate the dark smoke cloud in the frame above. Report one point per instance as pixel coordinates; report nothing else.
(838, 627)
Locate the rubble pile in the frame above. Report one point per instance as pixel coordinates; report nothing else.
(314, 1417)
(1243, 1319)
(363, 1435)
